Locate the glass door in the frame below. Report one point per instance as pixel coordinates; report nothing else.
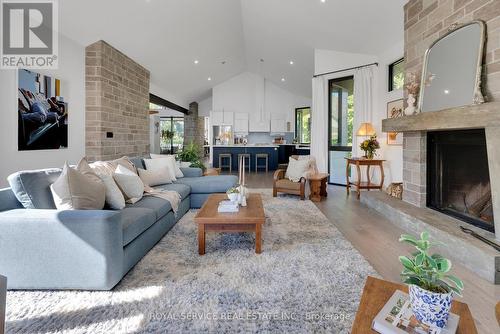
(341, 116)
(172, 134)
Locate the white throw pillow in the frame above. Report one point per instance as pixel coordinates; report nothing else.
(178, 172)
(129, 183)
(114, 196)
(154, 177)
(78, 189)
(297, 169)
(162, 163)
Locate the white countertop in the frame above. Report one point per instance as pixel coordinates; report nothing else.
(248, 145)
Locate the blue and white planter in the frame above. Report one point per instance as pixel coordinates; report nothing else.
(430, 308)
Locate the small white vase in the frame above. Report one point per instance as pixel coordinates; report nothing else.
(233, 197)
(431, 308)
(410, 109)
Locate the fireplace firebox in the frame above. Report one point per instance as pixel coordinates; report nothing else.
(458, 180)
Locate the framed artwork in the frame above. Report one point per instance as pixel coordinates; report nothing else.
(42, 113)
(395, 109)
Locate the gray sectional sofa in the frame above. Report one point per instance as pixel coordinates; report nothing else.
(43, 248)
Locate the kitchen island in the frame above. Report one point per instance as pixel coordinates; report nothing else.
(234, 150)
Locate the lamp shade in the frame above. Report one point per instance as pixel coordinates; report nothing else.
(366, 129)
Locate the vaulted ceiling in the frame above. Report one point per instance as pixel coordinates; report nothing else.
(228, 37)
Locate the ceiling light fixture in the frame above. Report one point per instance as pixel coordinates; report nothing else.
(209, 79)
(291, 62)
(196, 62)
(282, 79)
(323, 1)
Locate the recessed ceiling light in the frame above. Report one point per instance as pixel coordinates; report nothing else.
(323, 1)
(446, 91)
(209, 79)
(283, 79)
(196, 61)
(291, 62)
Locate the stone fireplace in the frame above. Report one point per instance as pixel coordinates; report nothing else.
(458, 179)
(451, 178)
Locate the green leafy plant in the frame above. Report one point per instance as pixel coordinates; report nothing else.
(233, 190)
(430, 272)
(191, 153)
(167, 134)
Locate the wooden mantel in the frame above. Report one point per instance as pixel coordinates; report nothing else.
(467, 117)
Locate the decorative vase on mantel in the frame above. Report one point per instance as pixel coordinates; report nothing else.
(410, 109)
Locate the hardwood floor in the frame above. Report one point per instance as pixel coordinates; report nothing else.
(377, 240)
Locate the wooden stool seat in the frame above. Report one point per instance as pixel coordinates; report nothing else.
(261, 156)
(223, 156)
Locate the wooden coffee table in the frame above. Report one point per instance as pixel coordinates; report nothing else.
(317, 184)
(248, 219)
(377, 292)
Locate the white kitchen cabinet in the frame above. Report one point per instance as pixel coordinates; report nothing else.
(221, 117)
(278, 125)
(256, 125)
(241, 123)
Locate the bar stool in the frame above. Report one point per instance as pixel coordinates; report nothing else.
(261, 156)
(222, 156)
(245, 156)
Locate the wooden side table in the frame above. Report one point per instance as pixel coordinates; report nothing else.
(377, 292)
(358, 162)
(212, 172)
(317, 184)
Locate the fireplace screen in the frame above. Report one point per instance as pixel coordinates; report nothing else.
(458, 176)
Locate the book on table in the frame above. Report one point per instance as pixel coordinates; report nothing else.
(228, 207)
(396, 317)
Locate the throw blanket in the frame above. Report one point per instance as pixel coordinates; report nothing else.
(171, 196)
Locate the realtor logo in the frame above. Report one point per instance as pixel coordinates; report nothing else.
(29, 34)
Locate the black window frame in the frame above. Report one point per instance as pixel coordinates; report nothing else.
(330, 146)
(391, 73)
(296, 123)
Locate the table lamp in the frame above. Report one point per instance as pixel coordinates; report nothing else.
(366, 130)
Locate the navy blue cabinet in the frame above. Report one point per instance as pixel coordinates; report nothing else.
(272, 152)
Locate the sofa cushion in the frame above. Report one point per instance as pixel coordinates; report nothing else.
(209, 184)
(135, 221)
(138, 162)
(32, 188)
(287, 184)
(160, 206)
(182, 189)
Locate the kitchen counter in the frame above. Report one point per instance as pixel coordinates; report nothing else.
(271, 151)
(248, 145)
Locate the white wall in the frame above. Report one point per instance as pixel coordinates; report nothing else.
(204, 107)
(242, 93)
(71, 72)
(327, 60)
(166, 95)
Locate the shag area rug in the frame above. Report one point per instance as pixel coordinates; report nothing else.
(309, 278)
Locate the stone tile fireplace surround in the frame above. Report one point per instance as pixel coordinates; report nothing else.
(412, 213)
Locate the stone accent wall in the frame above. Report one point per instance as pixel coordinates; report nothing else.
(415, 168)
(194, 126)
(117, 103)
(425, 21)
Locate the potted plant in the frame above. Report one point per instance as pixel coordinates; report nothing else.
(430, 284)
(232, 194)
(370, 146)
(190, 156)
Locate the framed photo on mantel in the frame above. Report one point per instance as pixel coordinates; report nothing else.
(395, 109)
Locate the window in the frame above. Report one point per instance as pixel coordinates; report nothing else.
(341, 112)
(396, 75)
(303, 125)
(340, 125)
(171, 135)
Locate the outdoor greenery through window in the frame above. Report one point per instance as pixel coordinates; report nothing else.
(303, 125)
(171, 135)
(341, 111)
(396, 75)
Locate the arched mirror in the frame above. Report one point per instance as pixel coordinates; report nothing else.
(451, 74)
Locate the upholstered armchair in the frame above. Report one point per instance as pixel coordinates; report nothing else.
(284, 185)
